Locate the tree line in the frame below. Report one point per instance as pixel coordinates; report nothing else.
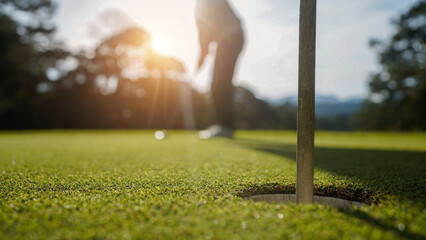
(123, 83)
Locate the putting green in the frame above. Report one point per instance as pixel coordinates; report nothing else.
(127, 185)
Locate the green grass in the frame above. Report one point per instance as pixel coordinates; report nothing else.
(125, 185)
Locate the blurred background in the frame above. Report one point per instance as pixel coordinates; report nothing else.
(124, 64)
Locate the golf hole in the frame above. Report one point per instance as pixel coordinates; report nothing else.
(291, 198)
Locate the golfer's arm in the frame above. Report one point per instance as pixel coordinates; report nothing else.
(205, 38)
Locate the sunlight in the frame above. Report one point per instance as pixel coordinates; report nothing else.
(160, 45)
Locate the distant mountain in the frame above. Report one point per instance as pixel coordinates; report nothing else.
(325, 105)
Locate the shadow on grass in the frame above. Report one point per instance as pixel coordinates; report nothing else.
(403, 232)
(399, 173)
(370, 172)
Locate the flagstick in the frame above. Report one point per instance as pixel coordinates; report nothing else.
(306, 103)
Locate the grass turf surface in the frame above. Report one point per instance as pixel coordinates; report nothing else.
(126, 185)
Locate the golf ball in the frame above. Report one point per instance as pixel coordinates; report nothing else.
(160, 135)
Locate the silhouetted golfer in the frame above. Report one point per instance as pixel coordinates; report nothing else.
(218, 23)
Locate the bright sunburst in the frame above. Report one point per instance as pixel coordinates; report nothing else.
(160, 45)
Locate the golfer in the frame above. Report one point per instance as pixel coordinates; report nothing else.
(217, 22)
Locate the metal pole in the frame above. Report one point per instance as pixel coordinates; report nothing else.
(306, 103)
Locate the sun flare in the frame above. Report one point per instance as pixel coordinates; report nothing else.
(161, 45)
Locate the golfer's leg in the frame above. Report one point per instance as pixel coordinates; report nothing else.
(222, 88)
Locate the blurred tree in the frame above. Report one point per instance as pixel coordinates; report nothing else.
(15, 62)
(287, 114)
(27, 51)
(398, 92)
(254, 113)
(33, 16)
(123, 84)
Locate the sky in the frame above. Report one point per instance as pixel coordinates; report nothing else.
(268, 65)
